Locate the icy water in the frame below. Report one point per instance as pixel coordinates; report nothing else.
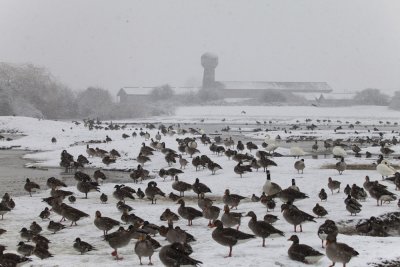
(13, 173)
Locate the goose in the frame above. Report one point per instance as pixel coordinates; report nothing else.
(265, 162)
(200, 188)
(333, 185)
(175, 255)
(183, 162)
(152, 191)
(328, 227)
(339, 252)
(352, 205)
(385, 169)
(232, 200)
(341, 166)
(144, 248)
(315, 146)
(25, 249)
(54, 183)
(319, 211)
(241, 169)
(211, 213)
(104, 223)
(322, 195)
(269, 218)
(290, 195)
(82, 246)
(267, 201)
(213, 167)
(261, 228)
(271, 143)
(299, 165)
(270, 188)
(358, 192)
(297, 151)
(30, 186)
(188, 213)
(229, 237)
(381, 194)
(181, 186)
(338, 151)
(295, 216)
(385, 149)
(239, 146)
(230, 219)
(302, 252)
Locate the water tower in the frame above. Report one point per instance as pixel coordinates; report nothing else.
(209, 62)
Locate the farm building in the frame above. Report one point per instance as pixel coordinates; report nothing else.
(229, 89)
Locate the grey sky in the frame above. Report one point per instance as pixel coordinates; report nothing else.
(350, 44)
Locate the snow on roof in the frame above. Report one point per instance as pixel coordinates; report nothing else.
(291, 86)
(146, 90)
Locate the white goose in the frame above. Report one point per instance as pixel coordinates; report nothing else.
(385, 169)
(272, 145)
(338, 151)
(297, 151)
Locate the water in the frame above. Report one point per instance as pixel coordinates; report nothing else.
(13, 173)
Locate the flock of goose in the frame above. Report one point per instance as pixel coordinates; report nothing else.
(226, 223)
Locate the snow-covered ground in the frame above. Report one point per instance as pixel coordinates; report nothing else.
(71, 137)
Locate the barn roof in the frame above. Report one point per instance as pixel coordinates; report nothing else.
(146, 90)
(289, 86)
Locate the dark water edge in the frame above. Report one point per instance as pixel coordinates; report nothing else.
(13, 173)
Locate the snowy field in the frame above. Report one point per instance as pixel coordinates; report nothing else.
(73, 138)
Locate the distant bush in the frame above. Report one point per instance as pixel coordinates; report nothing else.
(395, 101)
(371, 96)
(163, 92)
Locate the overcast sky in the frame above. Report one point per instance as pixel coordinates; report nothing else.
(350, 44)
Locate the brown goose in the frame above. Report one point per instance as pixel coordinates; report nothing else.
(99, 175)
(35, 228)
(144, 248)
(25, 249)
(299, 165)
(319, 211)
(333, 185)
(119, 239)
(381, 194)
(17, 259)
(30, 186)
(211, 213)
(339, 252)
(328, 227)
(104, 223)
(82, 246)
(168, 215)
(229, 237)
(55, 183)
(87, 186)
(341, 166)
(188, 213)
(302, 252)
(121, 193)
(175, 255)
(183, 162)
(142, 159)
(230, 219)
(72, 214)
(262, 228)
(242, 169)
(232, 200)
(175, 234)
(181, 186)
(152, 191)
(200, 188)
(295, 216)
